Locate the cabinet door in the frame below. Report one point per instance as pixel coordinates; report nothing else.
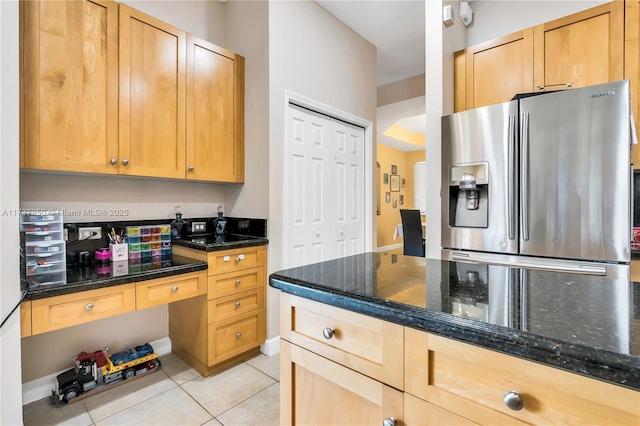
(152, 96)
(421, 413)
(215, 113)
(581, 49)
(70, 85)
(316, 391)
(498, 69)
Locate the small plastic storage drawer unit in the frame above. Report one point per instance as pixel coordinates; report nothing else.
(44, 248)
(149, 241)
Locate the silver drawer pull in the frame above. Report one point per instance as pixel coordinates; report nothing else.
(237, 282)
(513, 400)
(237, 304)
(389, 421)
(328, 332)
(226, 258)
(114, 161)
(238, 335)
(175, 288)
(88, 307)
(239, 258)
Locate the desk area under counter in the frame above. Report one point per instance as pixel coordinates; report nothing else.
(475, 344)
(90, 296)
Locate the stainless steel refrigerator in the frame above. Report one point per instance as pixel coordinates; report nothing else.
(542, 181)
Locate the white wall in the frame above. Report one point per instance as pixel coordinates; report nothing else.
(10, 396)
(247, 33)
(313, 54)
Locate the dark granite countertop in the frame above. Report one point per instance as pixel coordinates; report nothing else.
(223, 242)
(584, 324)
(82, 278)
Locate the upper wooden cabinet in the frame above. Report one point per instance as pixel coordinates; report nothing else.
(215, 112)
(152, 96)
(582, 49)
(497, 70)
(578, 50)
(108, 89)
(69, 85)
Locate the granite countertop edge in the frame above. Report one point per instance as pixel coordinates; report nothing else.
(114, 281)
(591, 362)
(257, 241)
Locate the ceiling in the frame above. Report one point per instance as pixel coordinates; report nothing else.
(396, 28)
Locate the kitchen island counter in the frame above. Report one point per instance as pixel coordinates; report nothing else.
(583, 324)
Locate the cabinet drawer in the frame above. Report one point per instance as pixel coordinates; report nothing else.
(58, 312)
(236, 260)
(368, 345)
(25, 319)
(170, 289)
(234, 282)
(235, 336)
(472, 381)
(228, 306)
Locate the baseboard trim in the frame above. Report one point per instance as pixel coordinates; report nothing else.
(271, 346)
(41, 388)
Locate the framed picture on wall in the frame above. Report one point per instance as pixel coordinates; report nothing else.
(395, 202)
(388, 197)
(404, 184)
(394, 169)
(385, 178)
(401, 199)
(395, 183)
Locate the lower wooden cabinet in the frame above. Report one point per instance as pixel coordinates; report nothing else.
(316, 391)
(170, 289)
(227, 324)
(472, 382)
(338, 378)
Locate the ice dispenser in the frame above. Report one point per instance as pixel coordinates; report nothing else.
(469, 195)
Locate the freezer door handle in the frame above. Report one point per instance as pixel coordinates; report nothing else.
(524, 177)
(511, 184)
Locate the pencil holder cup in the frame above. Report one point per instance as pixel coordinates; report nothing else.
(119, 252)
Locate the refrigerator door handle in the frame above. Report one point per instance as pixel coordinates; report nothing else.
(511, 217)
(524, 177)
(555, 267)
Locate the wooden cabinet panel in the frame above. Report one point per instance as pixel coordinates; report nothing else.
(369, 345)
(215, 113)
(170, 289)
(70, 85)
(152, 96)
(237, 259)
(25, 319)
(472, 381)
(226, 307)
(497, 70)
(234, 282)
(236, 335)
(421, 413)
(582, 49)
(317, 391)
(459, 75)
(58, 312)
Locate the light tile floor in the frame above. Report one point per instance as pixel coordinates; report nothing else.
(247, 394)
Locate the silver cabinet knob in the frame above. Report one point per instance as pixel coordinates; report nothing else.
(513, 400)
(328, 332)
(174, 288)
(114, 161)
(88, 307)
(237, 282)
(237, 304)
(125, 162)
(240, 258)
(190, 168)
(238, 335)
(389, 421)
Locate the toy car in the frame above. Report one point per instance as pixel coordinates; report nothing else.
(131, 354)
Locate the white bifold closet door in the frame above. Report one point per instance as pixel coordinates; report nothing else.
(324, 184)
